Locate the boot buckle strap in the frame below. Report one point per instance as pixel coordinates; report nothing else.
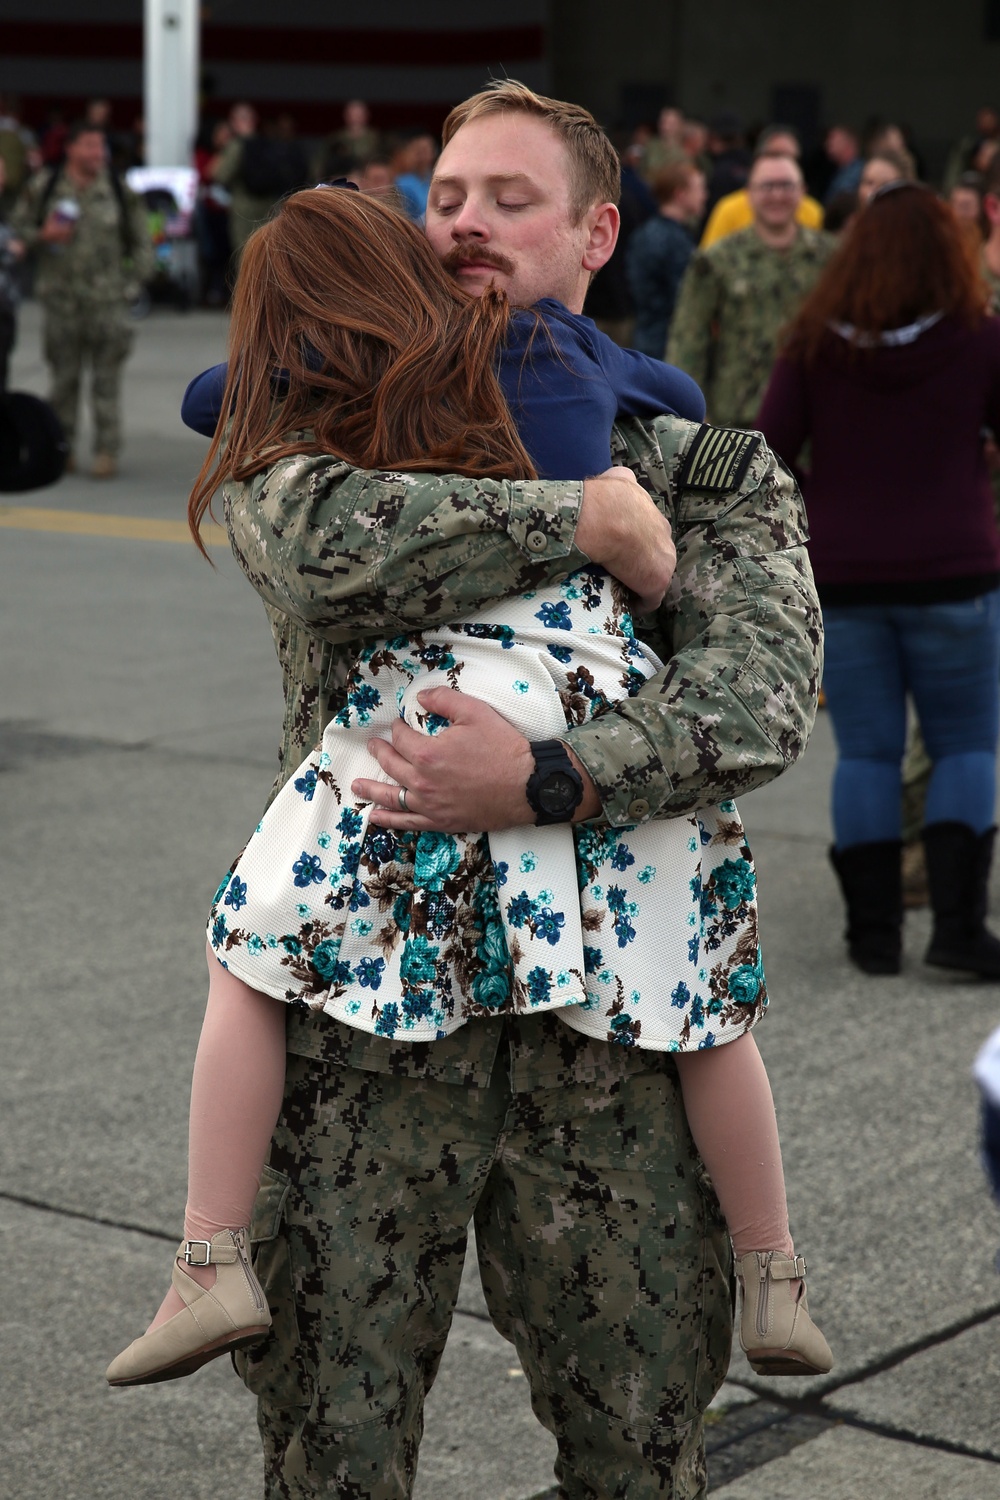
(788, 1268)
(194, 1260)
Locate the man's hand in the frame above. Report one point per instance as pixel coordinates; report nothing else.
(468, 778)
(621, 528)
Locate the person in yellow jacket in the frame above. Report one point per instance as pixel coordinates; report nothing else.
(734, 211)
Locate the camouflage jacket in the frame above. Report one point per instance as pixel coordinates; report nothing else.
(339, 555)
(92, 267)
(734, 299)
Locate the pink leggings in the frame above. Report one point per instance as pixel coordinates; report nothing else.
(239, 1078)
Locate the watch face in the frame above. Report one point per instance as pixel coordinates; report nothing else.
(557, 793)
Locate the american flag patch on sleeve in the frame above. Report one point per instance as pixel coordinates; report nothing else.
(717, 459)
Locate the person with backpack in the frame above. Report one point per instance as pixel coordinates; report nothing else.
(91, 244)
(257, 169)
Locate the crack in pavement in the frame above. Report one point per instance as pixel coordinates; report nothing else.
(737, 1441)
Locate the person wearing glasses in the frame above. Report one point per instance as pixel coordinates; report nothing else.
(737, 295)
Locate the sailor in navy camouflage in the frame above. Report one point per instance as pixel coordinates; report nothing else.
(601, 1247)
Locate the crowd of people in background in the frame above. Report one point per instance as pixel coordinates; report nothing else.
(685, 185)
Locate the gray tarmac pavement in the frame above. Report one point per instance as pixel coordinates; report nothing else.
(140, 708)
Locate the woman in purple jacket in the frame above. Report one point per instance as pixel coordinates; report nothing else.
(891, 373)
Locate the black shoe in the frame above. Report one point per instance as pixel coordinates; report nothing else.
(958, 873)
(871, 879)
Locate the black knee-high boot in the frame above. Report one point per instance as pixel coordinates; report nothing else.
(958, 873)
(870, 877)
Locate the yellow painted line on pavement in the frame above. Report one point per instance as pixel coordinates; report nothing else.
(89, 523)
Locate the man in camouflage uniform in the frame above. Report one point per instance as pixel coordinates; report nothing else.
(250, 206)
(736, 296)
(92, 244)
(601, 1248)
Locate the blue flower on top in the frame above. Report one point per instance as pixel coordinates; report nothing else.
(623, 1030)
(380, 845)
(350, 823)
(236, 896)
(491, 989)
(327, 962)
(735, 883)
(306, 784)
(308, 870)
(622, 858)
(520, 910)
(693, 946)
(220, 931)
(369, 973)
(555, 616)
(417, 963)
(500, 870)
(436, 656)
(548, 923)
(593, 960)
(437, 858)
(418, 1006)
(744, 983)
(364, 698)
(486, 632)
(708, 1040)
(680, 995)
(624, 931)
(437, 722)
(388, 1020)
(561, 653)
(539, 986)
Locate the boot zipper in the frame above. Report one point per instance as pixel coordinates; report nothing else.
(764, 1296)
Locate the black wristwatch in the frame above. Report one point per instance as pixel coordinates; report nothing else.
(555, 787)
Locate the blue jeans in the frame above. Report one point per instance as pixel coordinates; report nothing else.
(947, 658)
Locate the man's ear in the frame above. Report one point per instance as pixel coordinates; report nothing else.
(604, 222)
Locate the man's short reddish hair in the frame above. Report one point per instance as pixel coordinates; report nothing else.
(595, 166)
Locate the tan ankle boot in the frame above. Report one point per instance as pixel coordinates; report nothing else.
(777, 1334)
(216, 1319)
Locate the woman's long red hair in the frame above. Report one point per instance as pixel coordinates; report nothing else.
(903, 257)
(389, 364)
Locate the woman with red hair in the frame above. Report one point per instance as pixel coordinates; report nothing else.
(891, 373)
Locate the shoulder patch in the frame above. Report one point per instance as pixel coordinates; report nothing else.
(717, 459)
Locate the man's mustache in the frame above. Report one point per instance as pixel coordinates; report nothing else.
(476, 255)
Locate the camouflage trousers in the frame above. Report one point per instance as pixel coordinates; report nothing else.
(602, 1253)
(98, 335)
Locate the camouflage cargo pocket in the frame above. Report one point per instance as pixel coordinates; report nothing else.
(272, 1369)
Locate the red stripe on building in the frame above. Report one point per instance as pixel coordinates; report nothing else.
(272, 44)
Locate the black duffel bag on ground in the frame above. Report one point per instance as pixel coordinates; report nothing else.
(33, 446)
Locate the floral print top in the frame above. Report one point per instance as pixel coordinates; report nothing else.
(643, 935)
